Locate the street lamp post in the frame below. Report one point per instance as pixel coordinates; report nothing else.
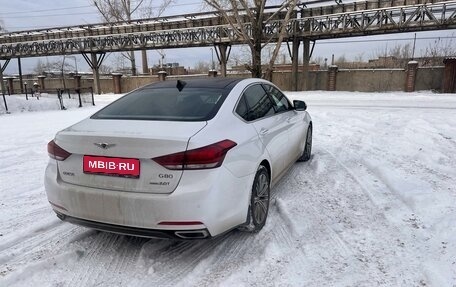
(212, 65)
(26, 93)
(76, 65)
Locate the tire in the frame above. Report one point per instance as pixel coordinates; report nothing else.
(308, 146)
(259, 202)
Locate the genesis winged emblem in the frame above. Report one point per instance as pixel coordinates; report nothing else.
(104, 145)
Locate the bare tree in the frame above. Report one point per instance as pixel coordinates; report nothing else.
(399, 55)
(239, 12)
(401, 51)
(341, 60)
(438, 50)
(105, 69)
(202, 67)
(241, 58)
(319, 61)
(2, 84)
(119, 62)
(40, 67)
(125, 11)
(2, 26)
(64, 67)
(60, 66)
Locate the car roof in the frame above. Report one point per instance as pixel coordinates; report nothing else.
(219, 82)
(216, 83)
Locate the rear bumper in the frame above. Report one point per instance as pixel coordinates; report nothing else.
(216, 198)
(134, 231)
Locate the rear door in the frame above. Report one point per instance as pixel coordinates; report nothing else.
(270, 126)
(295, 123)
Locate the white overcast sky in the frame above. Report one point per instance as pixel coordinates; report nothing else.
(33, 14)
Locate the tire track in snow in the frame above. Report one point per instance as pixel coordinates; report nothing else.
(37, 247)
(96, 260)
(28, 235)
(332, 205)
(126, 258)
(109, 253)
(29, 195)
(395, 228)
(224, 253)
(36, 269)
(385, 197)
(394, 147)
(41, 241)
(395, 208)
(236, 243)
(115, 256)
(367, 189)
(226, 258)
(170, 268)
(283, 221)
(227, 250)
(241, 249)
(310, 233)
(25, 219)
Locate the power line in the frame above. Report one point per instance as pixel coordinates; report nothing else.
(25, 14)
(384, 40)
(50, 15)
(46, 10)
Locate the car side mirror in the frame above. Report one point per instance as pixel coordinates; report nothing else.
(299, 105)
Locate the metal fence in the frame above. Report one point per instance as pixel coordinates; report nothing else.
(84, 96)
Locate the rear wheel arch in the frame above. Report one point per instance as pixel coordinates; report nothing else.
(266, 164)
(259, 199)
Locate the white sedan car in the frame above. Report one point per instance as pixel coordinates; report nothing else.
(178, 159)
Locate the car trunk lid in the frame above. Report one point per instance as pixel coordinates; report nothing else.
(129, 142)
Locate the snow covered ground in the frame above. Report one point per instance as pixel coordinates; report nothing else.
(375, 206)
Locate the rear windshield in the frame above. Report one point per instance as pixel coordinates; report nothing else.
(166, 104)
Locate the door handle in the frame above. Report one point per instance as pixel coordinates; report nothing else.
(264, 132)
(292, 120)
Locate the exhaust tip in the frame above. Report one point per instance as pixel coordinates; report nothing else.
(192, 234)
(61, 216)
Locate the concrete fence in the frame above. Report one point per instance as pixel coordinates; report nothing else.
(412, 78)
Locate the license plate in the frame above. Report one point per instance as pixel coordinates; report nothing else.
(113, 166)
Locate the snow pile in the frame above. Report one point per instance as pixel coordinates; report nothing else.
(375, 206)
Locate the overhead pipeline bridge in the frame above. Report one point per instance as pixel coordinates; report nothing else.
(210, 29)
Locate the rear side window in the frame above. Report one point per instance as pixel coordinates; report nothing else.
(254, 104)
(242, 109)
(166, 104)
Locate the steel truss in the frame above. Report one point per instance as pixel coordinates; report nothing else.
(381, 21)
(210, 30)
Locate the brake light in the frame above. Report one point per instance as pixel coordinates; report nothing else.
(56, 152)
(210, 156)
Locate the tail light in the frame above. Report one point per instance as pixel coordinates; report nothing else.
(210, 156)
(56, 152)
